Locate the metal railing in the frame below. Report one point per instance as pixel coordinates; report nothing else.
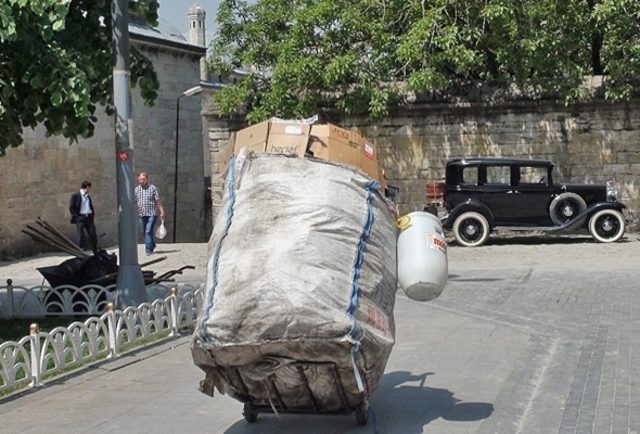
(67, 300)
(42, 355)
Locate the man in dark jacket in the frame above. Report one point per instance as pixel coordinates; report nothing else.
(82, 215)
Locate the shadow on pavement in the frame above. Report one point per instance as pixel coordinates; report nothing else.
(539, 239)
(457, 278)
(530, 240)
(399, 407)
(158, 251)
(404, 405)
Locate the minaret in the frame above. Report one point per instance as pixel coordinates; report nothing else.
(196, 17)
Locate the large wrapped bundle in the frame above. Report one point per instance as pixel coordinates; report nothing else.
(301, 283)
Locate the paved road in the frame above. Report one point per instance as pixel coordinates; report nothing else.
(530, 336)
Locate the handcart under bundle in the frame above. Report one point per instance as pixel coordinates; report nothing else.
(320, 389)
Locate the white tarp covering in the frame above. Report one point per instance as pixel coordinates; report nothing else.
(301, 276)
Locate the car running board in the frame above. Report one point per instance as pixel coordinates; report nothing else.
(531, 228)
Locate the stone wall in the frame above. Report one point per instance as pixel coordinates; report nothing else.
(589, 143)
(155, 144)
(37, 178)
(219, 129)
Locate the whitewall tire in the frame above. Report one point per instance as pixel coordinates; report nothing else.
(607, 226)
(471, 229)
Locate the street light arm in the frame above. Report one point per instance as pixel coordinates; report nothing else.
(193, 91)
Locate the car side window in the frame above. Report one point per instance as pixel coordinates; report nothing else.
(533, 175)
(469, 175)
(499, 175)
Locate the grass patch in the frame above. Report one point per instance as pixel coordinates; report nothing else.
(16, 329)
(128, 346)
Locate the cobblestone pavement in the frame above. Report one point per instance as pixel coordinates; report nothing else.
(578, 302)
(532, 335)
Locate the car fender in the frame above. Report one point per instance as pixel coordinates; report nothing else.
(582, 218)
(468, 205)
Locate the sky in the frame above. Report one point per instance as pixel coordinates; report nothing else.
(175, 12)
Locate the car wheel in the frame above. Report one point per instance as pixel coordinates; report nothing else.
(565, 207)
(607, 226)
(362, 414)
(471, 229)
(249, 413)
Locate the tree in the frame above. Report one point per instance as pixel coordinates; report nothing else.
(303, 55)
(56, 65)
(619, 23)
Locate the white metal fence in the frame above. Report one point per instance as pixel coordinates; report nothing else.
(42, 355)
(67, 300)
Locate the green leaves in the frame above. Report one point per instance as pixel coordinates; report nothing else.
(55, 65)
(303, 54)
(619, 23)
(56, 99)
(307, 55)
(340, 69)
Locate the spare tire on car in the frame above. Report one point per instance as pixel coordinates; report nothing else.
(565, 207)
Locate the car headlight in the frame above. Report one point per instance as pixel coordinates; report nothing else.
(612, 192)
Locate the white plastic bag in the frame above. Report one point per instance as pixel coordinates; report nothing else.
(161, 230)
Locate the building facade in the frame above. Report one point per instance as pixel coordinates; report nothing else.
(37, 178)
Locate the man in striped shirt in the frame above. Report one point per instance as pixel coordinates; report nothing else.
(149, 208)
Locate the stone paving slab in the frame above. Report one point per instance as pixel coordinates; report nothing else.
(528, 337)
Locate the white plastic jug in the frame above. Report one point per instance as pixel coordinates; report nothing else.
(422, 256)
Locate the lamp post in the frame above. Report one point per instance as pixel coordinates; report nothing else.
(130, 281)
(189, 92)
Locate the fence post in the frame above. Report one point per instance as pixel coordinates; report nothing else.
(10, 298)
(174, 312)
(111, 325)
(34, 332)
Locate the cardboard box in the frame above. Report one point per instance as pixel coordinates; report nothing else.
(368, 159)
(332, 143)
(290, 138)
(252, 138)
(274, 136)
(323, 141)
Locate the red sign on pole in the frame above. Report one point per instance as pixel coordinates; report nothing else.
(123, 156)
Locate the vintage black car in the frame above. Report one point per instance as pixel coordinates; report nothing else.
(482, 195)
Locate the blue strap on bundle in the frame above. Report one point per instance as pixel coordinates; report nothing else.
(213, 264)
(356, 331)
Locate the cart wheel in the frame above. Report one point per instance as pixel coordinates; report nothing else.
(250, 415)
(362, 414)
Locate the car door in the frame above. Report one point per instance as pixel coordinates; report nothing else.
(531, 194)
(496, 191)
